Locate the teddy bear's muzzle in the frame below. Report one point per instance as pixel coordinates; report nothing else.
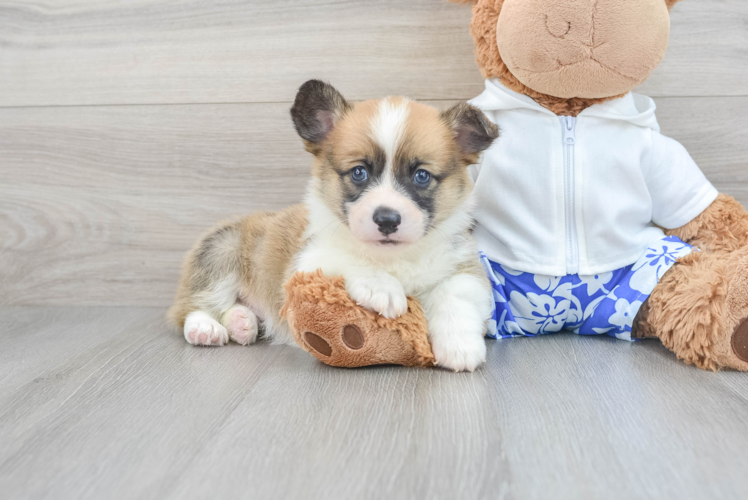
(582, 48)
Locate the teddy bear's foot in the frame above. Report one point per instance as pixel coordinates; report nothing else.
(329, 325)
(353, 345)
(700, 310)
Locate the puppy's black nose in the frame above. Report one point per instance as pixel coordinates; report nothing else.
(387, 220)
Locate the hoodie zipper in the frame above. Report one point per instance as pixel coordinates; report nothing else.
(569, 124)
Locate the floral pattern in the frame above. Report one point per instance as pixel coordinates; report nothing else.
(531, 304)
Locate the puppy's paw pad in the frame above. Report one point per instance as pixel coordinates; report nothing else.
(383, 294)
(201, 329)
(242, 324)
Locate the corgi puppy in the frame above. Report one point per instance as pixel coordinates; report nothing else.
(388, 208)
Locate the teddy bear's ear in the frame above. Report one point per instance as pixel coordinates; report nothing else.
(670, 3)
(473, 131)
(318, 106)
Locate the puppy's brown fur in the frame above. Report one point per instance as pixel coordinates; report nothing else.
(259, 247)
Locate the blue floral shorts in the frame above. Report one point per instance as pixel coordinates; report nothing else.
(533, 304)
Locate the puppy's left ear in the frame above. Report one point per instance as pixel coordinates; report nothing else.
(316, 110)
(473, 131)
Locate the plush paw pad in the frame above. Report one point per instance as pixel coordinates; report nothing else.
(382, 294)
(740, 341)
(318, 344)
(201, 329)
(351, 336)
(242, 324)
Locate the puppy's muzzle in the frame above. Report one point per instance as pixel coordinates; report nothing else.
(387, 220)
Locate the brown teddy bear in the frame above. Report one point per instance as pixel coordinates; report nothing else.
(588, 218)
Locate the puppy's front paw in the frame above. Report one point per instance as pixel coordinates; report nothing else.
(459, 353)
(458, 347)
(201, 329)
(382, 293)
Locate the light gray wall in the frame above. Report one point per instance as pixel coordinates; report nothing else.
(127, 130)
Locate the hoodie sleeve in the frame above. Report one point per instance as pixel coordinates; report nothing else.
(679, 190)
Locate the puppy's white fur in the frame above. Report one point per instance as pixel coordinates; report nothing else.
(388, 127)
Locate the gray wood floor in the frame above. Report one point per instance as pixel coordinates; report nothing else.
(110, 403)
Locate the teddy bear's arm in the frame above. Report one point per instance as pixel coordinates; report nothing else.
(723, 226)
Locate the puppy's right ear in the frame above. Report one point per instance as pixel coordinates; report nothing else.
(316, 110)
(473, 131)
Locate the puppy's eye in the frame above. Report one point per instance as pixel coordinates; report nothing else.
(422, 178)
(359, 175)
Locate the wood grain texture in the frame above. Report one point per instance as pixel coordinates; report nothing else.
(708, 51)
(109, 403)
(98, 205)
(110, 52)
(110, 198)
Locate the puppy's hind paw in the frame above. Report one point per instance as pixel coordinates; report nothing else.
(201, 329)
(242, 324)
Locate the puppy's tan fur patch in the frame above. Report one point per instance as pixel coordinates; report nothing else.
(258, 249)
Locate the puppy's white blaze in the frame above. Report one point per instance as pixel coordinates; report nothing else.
(361, 215)
(387, 129)
(388, 126)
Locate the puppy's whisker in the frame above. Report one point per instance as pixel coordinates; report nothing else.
(319, 233)
(338, 227)
(328, 225)
(443, 234)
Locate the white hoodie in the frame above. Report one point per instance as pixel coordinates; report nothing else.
(562, 195)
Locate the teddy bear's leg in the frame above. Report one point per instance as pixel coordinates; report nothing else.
(328, 324)
(699, 310)
(347, 336)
